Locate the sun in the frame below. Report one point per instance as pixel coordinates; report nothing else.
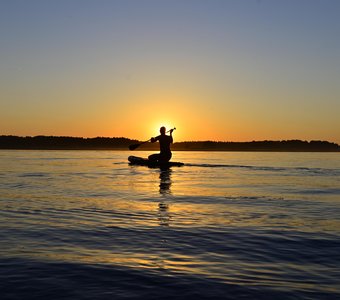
(157, 125)
(154, 124)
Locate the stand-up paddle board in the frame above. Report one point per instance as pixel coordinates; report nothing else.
(139, 161)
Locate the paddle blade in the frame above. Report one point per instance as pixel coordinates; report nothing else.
(134, 146)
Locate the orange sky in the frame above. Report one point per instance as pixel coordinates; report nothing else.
(215, 70)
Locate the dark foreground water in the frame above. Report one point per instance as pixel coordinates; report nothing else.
(86, 225)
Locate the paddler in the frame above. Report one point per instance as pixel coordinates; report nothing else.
(164, 144)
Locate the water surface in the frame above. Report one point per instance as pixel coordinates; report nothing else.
(227, 225)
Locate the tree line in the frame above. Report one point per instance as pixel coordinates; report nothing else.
(121, 143)
(285, 145)
(63, 142)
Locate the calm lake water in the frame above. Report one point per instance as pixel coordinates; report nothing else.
(228, 225)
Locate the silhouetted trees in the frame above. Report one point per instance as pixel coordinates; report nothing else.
(63, 142)
(290, 145)
(120, 143)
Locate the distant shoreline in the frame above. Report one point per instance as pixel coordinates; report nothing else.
(173, 150)
(11, 142)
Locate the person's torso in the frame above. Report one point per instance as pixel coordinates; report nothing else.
(164, 142)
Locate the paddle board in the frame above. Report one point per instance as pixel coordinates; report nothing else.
(135, 160)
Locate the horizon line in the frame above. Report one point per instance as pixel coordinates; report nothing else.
(187, 141)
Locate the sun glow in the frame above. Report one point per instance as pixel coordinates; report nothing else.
(158, 125)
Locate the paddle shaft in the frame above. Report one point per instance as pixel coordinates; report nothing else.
(135, 146)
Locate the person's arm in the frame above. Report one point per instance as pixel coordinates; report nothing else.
(154, 139)
(171, 138)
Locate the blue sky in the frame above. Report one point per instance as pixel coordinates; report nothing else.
(226, 70)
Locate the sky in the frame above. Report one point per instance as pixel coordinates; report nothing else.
(226, 70)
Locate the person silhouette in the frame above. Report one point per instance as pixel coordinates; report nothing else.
(164, 144)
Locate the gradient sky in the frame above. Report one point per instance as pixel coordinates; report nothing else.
(232, 70)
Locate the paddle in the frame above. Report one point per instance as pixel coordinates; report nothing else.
(135, 146)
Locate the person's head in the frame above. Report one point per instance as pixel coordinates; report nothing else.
(162, 130)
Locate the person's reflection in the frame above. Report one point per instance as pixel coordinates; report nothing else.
(164, 189)
(165, 181)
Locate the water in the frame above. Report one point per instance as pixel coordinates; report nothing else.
(228, 225)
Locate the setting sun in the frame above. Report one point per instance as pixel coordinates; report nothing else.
(167, 126)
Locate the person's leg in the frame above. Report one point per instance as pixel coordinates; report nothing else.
(154, 157)
(164, 158)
